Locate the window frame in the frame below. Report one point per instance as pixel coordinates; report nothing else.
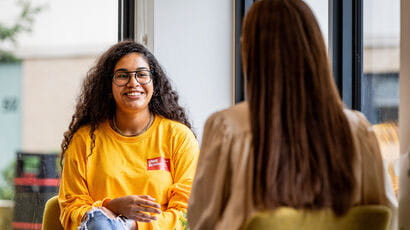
(241, 7)
(345, 44)
(126, 19)
(345, 48)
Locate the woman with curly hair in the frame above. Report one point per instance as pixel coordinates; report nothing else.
(129, 154)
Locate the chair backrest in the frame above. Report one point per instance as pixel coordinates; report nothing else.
(375, 217)
(51, 215)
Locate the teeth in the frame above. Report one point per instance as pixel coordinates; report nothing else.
(134, 93)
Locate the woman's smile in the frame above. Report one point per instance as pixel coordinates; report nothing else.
(134, 94)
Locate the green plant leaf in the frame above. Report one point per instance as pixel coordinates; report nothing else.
(7, 190)
(23, 24)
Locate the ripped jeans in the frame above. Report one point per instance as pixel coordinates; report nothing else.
(97, 220)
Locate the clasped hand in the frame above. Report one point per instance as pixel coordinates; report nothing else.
(139, 208)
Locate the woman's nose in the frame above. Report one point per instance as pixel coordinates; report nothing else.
(133, 81)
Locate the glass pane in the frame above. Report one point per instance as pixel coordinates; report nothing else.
(321, 10)
(380, 81)
(45, 53)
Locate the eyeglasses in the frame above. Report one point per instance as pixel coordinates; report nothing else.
(122, 78)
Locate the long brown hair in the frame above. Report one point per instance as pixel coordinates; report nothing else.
(96, 103)
(303, 146)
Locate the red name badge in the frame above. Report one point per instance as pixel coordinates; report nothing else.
(158, 163)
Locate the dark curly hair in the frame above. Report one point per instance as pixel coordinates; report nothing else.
(96, 103)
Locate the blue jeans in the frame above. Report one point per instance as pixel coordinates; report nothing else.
(97, 220)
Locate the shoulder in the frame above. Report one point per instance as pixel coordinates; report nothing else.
(363, 133)
(235, 119)
(227, 139)
(172, 126)
(82, 134)
(353, 116)
(358, 121)
(78, 146)
(180, 137)
(175, 130)
(83, 130)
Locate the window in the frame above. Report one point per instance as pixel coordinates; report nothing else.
(381, 41)
(320, 9)
(40, 78)
(380, 79)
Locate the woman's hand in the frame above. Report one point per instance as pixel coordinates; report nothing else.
(135, 207)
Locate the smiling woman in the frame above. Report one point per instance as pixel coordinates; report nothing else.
(129, 154)
(132, 97)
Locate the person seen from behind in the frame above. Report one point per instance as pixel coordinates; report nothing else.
(292, 142)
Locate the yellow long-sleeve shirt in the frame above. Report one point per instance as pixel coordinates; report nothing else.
(161, 163)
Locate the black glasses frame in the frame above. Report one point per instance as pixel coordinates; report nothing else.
(135, 76)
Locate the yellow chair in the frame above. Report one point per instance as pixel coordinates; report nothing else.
(372, 217)
(51, 215)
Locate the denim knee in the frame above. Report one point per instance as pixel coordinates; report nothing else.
(97, 220)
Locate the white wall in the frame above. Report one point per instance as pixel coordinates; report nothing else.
(50, 89)
(321, 10)
(193, 42)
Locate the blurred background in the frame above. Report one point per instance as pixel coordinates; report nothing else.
(47, 47)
